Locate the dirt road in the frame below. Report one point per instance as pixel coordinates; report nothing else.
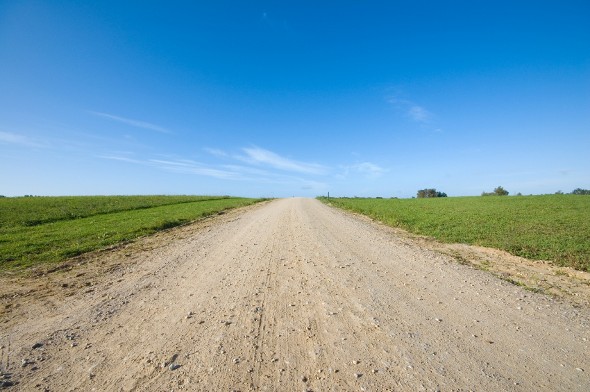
(290, 295)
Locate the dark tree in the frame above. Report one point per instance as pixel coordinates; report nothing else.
(430, 192)
(499, 191)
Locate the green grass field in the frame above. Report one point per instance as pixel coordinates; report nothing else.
(36, 230)
(548, 227)
(32, 211)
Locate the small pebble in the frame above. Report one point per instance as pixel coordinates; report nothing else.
(358, 375)
(37, 345)
(173, 366)
(304, 379)
(580, 369)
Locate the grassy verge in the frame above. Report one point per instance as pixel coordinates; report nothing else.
(548, 227)
(33, 211)
(23, 246)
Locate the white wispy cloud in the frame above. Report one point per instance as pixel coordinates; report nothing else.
(132, 122)
(414, 111)
(256, 165)
(191, 167)
(257, 155)
(216, 152)
(178, 165)
(419, 114)
(119, 158)
(247, 170)
(367, 169)
(15, 138)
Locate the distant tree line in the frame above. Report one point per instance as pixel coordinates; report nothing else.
(431, 192)
(498, 191)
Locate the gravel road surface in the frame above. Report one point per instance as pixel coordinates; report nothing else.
(289, 295)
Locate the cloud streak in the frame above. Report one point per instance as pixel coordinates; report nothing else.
(178, 166)
(366, 169)
(133, 123)
(419, 114)
(191, 167)
(14, 138)
(414, 111)
(260, 156)
(256, 165)
(216, 152)
(369, 169)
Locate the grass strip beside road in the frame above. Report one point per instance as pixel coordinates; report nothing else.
(546, 227)
(33, 211)
(27, 246)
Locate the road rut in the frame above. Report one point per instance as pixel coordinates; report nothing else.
(292, 295)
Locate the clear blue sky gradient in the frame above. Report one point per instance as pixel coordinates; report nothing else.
(273, 98)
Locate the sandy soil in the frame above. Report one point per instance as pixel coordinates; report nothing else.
(290, 295)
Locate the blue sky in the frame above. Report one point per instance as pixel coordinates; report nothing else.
(283, 98)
